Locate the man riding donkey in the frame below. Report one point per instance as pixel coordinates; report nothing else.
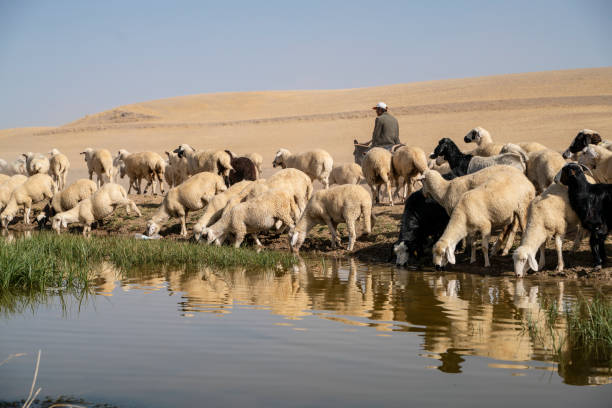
(385, 135)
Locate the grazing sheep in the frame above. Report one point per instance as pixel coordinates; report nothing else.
(257, 161)
(36, 163)
(100, 205)
(499, 202)
(345, 203)
(67, 199)
(242, 169)
(143, 165)
(213, 211)
(483, 139)
(550, 215)
(58, 168)
(347, 173)
(378, 170)
(16, 167)
(99, 162)
(599, 161)
(177, 169)
(593, 205)
(191, 195)
(261, 213)
(7, 187)
(213, 161)
(408, 162)
(35, 189)
(584, 138)
(317, 163)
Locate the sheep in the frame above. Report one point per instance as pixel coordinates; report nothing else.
(67, 199)
(593, 205)
(16, 167)
(584, 138)
(101, 204)
(177, 169)
(423, 222)
(516, 160)
(542, 165)
(257, 161)
(242, 169)
(344, 203)
(100, 162)
(599, 161)
(36, 163)
(191, 195)
(215, 207)
(317, 163)
(347, 173)
(483, 139)
(549, 215)
(143, 165)
(498, 202)
(35, 189)
(408, 162)
(378, 170)
(531, 147)
(58, 168)
(448, 150)
(7, 187)
(4, 177)
(256, 215)
(217, 162)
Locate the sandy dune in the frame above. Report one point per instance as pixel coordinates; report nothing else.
(548, 107)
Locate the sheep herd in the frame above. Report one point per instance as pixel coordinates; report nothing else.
(451, 198)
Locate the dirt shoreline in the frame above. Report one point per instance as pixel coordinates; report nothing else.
(374, 248)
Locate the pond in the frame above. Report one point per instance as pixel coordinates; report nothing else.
(330, 332)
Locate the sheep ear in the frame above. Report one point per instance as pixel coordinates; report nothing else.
(450, 254)
(167, 154)
(532, 262)
(595, 138)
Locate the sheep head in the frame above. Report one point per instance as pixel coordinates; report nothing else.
(588, 157)
(523, 260)
(297, 239)
(122, 154)
(87, 153)
(280, 158)
(401, 253)
(58, 222)
(182, 149)
(152, 228)
(443, 253)
(584, 138)
(475, 135)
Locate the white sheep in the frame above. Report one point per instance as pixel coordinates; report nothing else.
(378, 170)
(36, 188)
(599, 160)
(16, 167)
(317, 163)
(213, 211)
(142, 165)
(73, 194)
(542, 165)
(58, 168)
(36, 163)
(408, 163)
(100, 205)
(213, 161)
(7, 187)
(261, 213)
(531, 147)
(497, 203)
(344, 203)
(4, 177)
(550, 215)
(177, 169)
(191, 195)
(346, 173)
(483, 139)
(99, 162)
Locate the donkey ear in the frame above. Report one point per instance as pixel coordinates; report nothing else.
(532, 262)
(450, 254)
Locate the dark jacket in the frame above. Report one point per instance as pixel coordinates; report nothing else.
(386, 131)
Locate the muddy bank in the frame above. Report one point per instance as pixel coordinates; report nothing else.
(376, 247)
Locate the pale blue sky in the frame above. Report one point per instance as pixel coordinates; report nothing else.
(60, 60)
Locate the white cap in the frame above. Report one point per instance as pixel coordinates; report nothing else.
(381, 105)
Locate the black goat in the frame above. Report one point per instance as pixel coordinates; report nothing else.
(584, 138)
(457, 161)
(244, 169)
(593, 205)
(423, 223)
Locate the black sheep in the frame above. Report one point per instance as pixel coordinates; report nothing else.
(584, 138)
(244, 169)
(423, 223)
(457, 161)
(593, 205)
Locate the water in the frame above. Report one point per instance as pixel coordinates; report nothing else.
(329, 333)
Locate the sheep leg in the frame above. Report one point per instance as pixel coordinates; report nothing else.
(377, 193)
(27, 214)
(577, 239)
(473, 253)
(559, 245)
(332, 229)
(485, 248)
(388, 184)
(183, 218)
(86, 230)
(500, 239)
(257, 242)
(350, 226)
(510, 238)
(239, 238)
(542, 259)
